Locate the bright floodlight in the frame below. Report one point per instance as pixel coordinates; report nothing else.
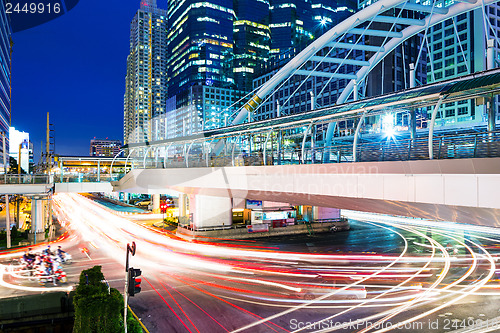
(390, 132)
(323, 21)
(388, 125)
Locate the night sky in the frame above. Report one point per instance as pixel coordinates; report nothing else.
(74, 67)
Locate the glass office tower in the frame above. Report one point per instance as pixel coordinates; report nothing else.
(252, 41)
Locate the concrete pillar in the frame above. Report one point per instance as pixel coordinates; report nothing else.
(280, 139)
(490, 104)
(183, 204)
(413, 124)
(156, 203)
(207, 211)
(491, 112)
(98, 170)
(37, 233)
(412, 76)
(356, 91)
(490, 54)
(7, 221)
(183, 209)
(61, 172)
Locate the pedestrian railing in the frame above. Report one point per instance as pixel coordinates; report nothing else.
(25, 179)
(449, 146)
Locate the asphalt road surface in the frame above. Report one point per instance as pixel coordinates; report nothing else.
(385, 274)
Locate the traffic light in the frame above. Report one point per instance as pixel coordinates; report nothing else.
(134, 283)
(163, 207)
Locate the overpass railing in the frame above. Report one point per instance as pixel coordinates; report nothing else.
(86, 177)
(463, 145)
(15, 179)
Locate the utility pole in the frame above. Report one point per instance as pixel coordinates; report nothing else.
(47, 146)
(19, 160)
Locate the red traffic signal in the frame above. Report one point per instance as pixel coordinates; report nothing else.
(134, 283)
(163, 207)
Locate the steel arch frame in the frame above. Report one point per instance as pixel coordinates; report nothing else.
(367, 14)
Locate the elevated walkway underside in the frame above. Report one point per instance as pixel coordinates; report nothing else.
(464, 190)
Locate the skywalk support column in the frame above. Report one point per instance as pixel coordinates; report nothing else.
(7, 221)
(413, 124)
(413, 119)
(412, 76)
(490, 101)
(156, 203)
(183, 204)
(208, 212)
(37, 233)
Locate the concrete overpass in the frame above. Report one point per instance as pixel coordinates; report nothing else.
(459, 190)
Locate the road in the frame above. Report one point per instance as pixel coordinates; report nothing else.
(385, 274)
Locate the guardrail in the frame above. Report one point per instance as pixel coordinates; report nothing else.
(468, 145)
(87, 178)
(15, 179)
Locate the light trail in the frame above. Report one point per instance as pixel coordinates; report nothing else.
(268, 277)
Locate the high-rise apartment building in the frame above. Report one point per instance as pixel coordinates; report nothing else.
(20, 148)
(146, 80)
(5, 84)
(458, 47)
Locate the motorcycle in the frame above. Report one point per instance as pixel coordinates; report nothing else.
(57, 276)
(66, 258)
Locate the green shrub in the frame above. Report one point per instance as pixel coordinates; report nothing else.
(14, 233)
(96, 310)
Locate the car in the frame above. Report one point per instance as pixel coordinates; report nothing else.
(143, 204)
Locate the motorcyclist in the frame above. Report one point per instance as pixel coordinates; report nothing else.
(30, 254)
(26, 257)
(47, 251)
(48, 265)
(56, 269)
(60, 253)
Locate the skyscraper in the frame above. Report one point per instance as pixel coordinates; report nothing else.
(252, 41)
(458, 47)
(291, 26)
(5, 84)
(201, 85)
(146, 80)
(199, 38)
